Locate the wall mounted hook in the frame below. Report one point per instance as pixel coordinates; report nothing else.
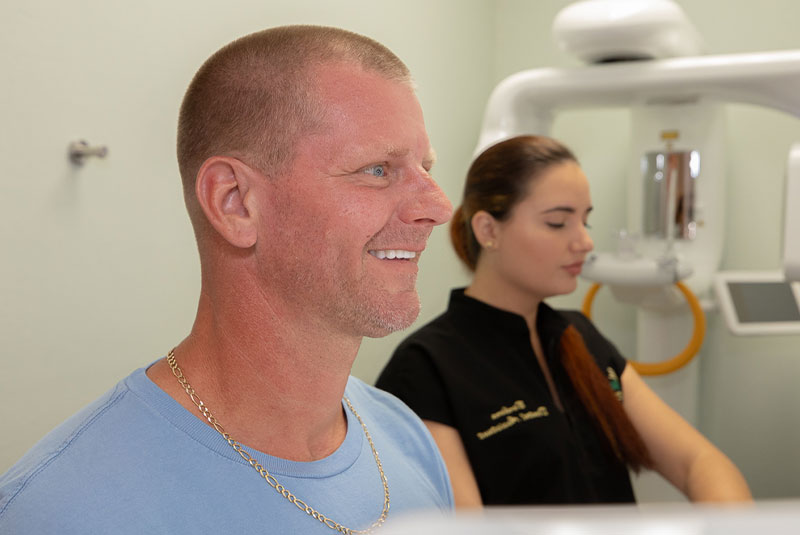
(80, 150)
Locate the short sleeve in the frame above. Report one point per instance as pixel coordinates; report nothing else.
(412, 376)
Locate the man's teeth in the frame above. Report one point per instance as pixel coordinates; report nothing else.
(393, 253)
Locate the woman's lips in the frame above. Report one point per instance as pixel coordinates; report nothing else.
(574, 269)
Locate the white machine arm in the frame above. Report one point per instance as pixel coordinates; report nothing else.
(525, 102)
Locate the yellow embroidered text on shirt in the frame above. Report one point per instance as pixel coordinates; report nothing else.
(511, 420)
(505, 411)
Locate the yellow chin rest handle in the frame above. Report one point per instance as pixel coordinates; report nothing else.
(682, 358)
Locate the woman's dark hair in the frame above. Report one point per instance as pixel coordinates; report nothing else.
(496, 182)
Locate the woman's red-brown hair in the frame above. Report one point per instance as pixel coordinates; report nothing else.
(496, 182)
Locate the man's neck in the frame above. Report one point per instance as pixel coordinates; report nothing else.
(275, 385)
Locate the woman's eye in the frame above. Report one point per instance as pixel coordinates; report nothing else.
(555, 225)
(376, 170)
(586, 224)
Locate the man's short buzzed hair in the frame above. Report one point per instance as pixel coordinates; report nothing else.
(255, 97)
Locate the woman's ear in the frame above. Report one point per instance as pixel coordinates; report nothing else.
(485, 228)
(223, 189)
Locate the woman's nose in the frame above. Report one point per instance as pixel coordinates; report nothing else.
(583, 241)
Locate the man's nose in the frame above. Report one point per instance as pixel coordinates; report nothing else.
(426, 203)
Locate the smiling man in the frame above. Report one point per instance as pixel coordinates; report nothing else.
(306, 171)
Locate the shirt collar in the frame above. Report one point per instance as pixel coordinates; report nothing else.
(549, 322)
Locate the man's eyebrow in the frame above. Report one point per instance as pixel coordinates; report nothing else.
(399, 153)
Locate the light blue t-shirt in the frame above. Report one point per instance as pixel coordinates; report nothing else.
(135, 461)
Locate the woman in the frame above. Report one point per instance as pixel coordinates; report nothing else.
(530, 405)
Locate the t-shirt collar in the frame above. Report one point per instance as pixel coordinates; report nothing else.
(473, 311)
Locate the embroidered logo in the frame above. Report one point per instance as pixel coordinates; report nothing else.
(613, 380)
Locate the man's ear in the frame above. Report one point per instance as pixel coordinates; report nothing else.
(485, 229)
(223, 189)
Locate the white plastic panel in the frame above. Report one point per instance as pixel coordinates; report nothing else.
(758, 302)
(603, 30)
(791, 217)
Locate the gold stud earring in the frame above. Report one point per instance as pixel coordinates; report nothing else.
(489, 244)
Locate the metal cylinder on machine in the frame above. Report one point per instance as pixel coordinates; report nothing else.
(669, 179)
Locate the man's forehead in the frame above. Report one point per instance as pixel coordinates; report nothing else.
(366, 115)
(346, 84)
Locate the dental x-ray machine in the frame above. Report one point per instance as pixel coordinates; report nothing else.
(644, 55)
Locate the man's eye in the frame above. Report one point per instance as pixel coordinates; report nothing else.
(376, 170)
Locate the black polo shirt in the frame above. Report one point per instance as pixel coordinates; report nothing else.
(473, 368)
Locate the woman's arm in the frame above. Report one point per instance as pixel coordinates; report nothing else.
(680, 453)
(462, 478)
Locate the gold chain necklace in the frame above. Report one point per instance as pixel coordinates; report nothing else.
(269, 478)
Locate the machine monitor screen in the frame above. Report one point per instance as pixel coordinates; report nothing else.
(757, 302)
